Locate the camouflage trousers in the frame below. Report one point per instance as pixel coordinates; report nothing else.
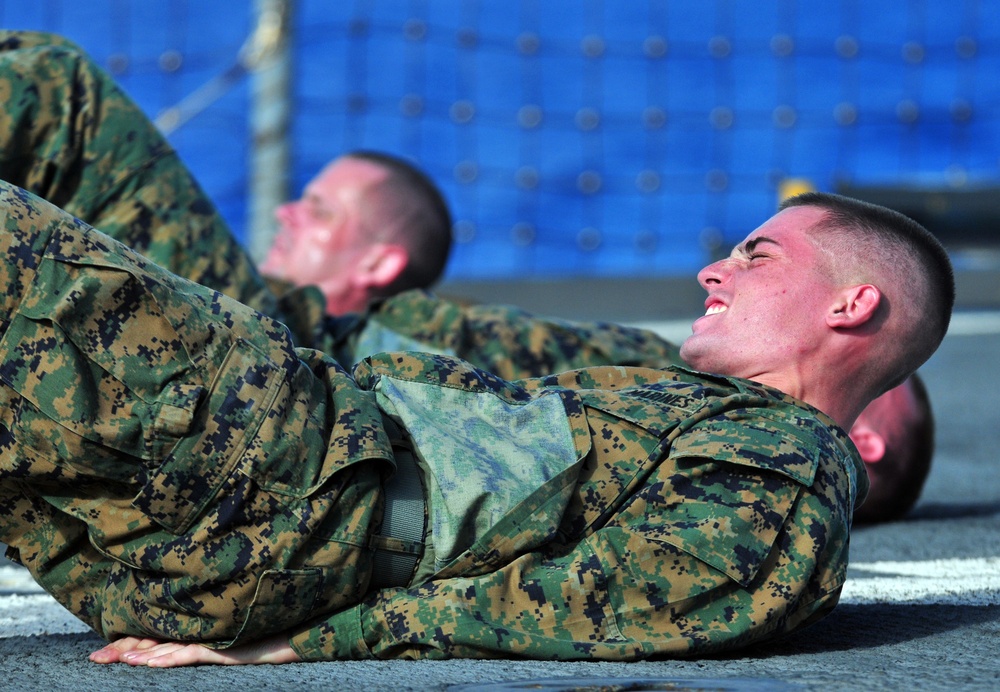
(70, 135)
(171, 465)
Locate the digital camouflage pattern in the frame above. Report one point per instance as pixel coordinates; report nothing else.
(504, 340)
(706, 513)
(71, 136)
(171, 466)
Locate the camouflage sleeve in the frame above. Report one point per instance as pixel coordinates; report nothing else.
(738, 535)
(170, 464)
(70, 135)
(506, 340)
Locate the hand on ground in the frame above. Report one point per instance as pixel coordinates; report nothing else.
(137, 651)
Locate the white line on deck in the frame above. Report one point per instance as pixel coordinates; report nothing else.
(25, 610)
(970, 581)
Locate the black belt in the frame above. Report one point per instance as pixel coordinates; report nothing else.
(399, 544)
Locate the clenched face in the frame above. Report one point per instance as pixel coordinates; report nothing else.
(321, 235)
(767, 302)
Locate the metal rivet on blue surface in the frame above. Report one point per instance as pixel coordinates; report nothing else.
(588, 238)
(716, 180)
(784, 116)
(117, 63)
(913, 52)
(592, 46)
(587, 118)
(528, 43)
(966, 47)
(845, 114)
(847, 46)
(411, 105)
(782, 45)
(523, 233)
(907, 111)
(529, 116)
(466, 171)
(645, 241)
(170, 60)
(647, 181)
(719, 47)
(462, 111)
(721, 117)
(526, 177)
(961, 110)
(464, 231)
(357, 103)
(415, 29)
(654, 47)
(654, 117)
(467, 37)
(710, 238)
(589, 182)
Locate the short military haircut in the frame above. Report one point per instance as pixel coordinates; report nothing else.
(909, 450)
(870, 237)
(411, 211)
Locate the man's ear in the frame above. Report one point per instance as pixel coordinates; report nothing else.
(855, 306)
(382, 264)
(870, 444)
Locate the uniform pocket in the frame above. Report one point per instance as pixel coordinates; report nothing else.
(284, 598)
(102, 369)
(731, 521)
(731, 482)
(226, 422)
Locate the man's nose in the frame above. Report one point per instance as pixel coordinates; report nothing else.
(285, 214)
(714, 273)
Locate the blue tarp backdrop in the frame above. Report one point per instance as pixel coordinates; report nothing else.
(581, 137)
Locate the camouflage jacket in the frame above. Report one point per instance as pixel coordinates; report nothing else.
(70, 135)
(172, 466)
(505, 340)
(681, 513)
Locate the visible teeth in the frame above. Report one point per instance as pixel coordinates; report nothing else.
(715, 309)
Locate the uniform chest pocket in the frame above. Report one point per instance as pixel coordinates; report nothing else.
(728, 485)
(730, 519)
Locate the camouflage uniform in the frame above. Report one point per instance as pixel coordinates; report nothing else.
(171, 465)
(71, 136)
(504, 340)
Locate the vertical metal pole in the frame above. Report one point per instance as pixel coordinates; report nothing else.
(270, 59)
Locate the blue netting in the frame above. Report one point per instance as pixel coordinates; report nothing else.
(583, 137)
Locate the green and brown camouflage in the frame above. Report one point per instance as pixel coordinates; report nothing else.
(505, 340)
(705, 513)
(172, 466)
(69, 132)
(175, 464)
(168, 458)
(70, 135)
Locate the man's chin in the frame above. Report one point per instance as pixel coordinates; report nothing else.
(689, 350)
